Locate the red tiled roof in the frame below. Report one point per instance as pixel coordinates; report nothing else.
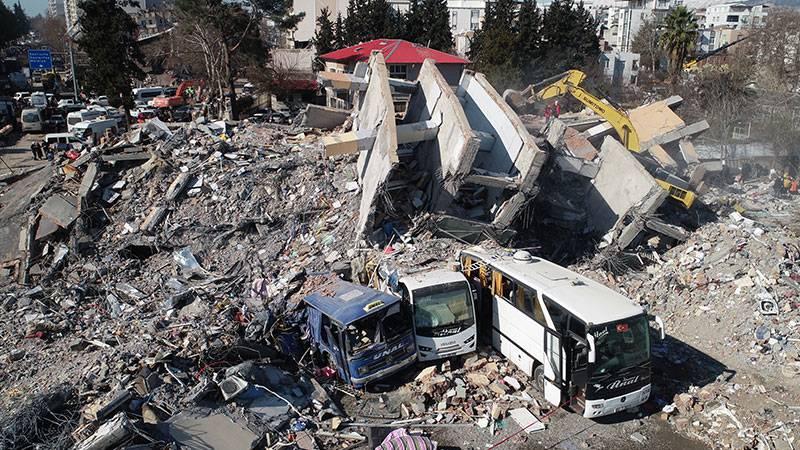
(395, 51)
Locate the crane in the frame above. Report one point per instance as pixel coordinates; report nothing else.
(693, 63)
(569, 82)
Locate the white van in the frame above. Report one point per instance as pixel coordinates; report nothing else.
(92, 131)
(83, 115)
(145, 96)
(39, 100)
(32, 120)
(63, 141)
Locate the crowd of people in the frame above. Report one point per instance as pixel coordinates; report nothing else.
(42, 150)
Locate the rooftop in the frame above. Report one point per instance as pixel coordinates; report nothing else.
(395, 51)
(587, 299)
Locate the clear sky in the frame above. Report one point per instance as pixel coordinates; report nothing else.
(31, 7)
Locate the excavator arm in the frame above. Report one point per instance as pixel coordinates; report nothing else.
(569, 83)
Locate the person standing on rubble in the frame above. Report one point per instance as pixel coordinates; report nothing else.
(557, 109)
(547, 112)
(36, 150)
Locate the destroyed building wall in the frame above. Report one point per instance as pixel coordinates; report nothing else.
(376, 163)
(513, 151)
(449, 157)
(622, 185)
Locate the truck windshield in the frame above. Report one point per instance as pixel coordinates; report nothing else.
(443, 310)
(384, 326)
(621, 345)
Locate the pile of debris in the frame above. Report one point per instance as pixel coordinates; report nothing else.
(731, 291)
(156, 294)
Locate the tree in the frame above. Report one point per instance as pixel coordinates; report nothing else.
(230, 40)
(324, 38)
(12, 27)
(569, 39)
(340, 33)
(356, 23)
(380, 19)
(51, 31)
(777, 50)
(724, 95)
(414, 21)
(645, 43)
(492, 46)
(436, 25)
(109, 40)
(679, 37)
(527, 50)
(23, 24)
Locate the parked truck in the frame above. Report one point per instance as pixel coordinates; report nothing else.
(362, 333)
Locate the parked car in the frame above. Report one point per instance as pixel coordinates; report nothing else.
(56, 122)
(64, 103)
(63, 142)
(20, 95)
(182, 114)
(101, 100)
(32, 120)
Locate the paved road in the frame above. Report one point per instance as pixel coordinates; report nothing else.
(17, 155)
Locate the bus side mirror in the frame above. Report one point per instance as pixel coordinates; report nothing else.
(662, 331)
(592, 353)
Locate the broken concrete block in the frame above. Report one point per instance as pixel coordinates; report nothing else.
(662, 157)
(216, 431)
(688, 152)
(88, 180)
(478, 379)
(154, 219)
(178, 186)
(108, 435)
(60, 209)
(426, 374)
(526, 421)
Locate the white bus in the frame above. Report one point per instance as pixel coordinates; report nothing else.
(443, 311)
(584, 344)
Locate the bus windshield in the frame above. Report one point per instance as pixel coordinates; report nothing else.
(443, 310)
(621, 345)
(384, 326)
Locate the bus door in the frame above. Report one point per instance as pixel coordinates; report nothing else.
(552, 366)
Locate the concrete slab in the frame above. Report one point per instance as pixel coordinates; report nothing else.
(375, 165)
(676, 134)
(60, 209)
(215, 431)
(450, 156)
(654, 120)
(621, 186)
(324, 117)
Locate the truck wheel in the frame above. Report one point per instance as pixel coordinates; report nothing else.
(538, 378)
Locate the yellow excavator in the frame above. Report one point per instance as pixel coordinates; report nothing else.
(569, 82)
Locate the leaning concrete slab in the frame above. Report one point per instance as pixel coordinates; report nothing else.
(376, 164)
(16, 198)
(514, 151)
(622, 186)
(449, 157)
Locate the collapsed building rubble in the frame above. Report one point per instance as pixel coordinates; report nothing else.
(152, 289)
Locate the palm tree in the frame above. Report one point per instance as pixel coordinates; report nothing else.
(679, 37)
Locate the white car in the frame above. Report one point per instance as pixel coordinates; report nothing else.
(20, 95)
(66, 102)
(101, 100)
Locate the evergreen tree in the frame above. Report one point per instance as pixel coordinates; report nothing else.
(569, 39)
(10, 28)
(340, 33)
(379, 17)
(414, 22)
(356, 23)
(529, 41)
(324, 38)
(491, 51)
(109, 40)
(397, 24)
(436, 25)
(23, 25)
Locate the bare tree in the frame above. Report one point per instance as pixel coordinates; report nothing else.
(776, 46)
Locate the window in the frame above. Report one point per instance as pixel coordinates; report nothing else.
(635, 65)
(521, 297)
(557, 313)
(474, 19)
(732, 19)
(453, 20)
(398, 71)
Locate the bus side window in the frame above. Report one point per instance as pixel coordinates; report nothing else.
(557, 313)
(502, 286)
(529, 304)
(576, 326)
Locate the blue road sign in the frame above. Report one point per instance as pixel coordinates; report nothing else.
(40, 60)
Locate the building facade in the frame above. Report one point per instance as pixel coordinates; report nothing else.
(55, 8)
(728, 22)
(71, 13)
(622, 68)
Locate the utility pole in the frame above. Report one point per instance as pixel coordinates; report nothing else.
(72, 64)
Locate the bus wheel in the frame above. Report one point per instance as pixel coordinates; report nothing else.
(538, 378)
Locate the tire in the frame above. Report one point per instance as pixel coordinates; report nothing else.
(538, 378)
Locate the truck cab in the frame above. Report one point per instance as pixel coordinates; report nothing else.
(363, 334)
